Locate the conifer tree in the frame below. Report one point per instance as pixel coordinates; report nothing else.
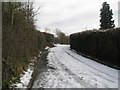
(106, 17)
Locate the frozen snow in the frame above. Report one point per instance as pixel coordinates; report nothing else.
(71, 70)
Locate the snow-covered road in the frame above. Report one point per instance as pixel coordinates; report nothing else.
(70, 70)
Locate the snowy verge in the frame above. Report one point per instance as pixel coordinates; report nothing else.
(25, 79)
(27, 75)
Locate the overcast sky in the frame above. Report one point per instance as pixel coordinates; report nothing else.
(72, 16)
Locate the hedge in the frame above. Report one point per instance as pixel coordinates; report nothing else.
(101, 45)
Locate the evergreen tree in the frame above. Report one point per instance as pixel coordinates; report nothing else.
(106, 17)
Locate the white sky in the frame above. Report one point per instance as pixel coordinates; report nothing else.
(72, 15)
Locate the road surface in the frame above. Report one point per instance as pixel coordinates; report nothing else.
(67, 69)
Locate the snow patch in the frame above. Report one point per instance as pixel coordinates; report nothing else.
(25, 79)
(47, 47)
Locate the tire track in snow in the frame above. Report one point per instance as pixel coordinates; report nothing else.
(60, 74)
(74, 76)
(91, 67)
